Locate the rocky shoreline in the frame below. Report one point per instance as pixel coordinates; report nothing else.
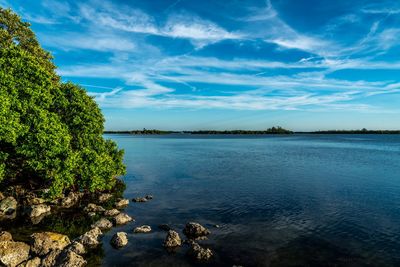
(48, 248)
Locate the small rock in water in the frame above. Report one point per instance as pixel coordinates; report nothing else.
(91, 238)
(140, 199)
(195, 230)
(119, 240)
(44, 242)
(103, 224)
(122, 218)
(149, 197)
(217, 226)
(111, 213)
(104, 197)
(13, 253)
(164, 227)
(122, 203)
(199, 253)
(142, 229)
(91, 207)
(172, 240)
(38, 210)
(5, 236)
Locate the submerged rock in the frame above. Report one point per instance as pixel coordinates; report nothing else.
(195, 230)
(43, 243)
(8, 206)
(149, 197)
(104, 197)
(122, 203)
(91, 207)
(103, 224)
(164, 227)
(139, 199)
(119, 240)
(199, 253)
(91, 238)
(122, 218)
(13, 253)
(172, 240)
(5, 236)
(111, 213)
(38, 210)
(142, 229)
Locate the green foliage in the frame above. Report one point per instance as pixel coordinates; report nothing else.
(50, 132)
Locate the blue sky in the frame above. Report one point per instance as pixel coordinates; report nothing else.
(186, 64)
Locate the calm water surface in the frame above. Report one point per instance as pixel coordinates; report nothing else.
(302, 200)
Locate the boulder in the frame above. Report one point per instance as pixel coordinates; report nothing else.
(8, 206)
(199, 253)
(71, 199)
(122, 203)
(50, 259)
(13, 253)
(77, 247)
(35, 262)
(91, 207)
(122, 218)
(172, 240)
(5, 236)
(38, 210)
(103, 224)
(111, 213)
(70, 259)
(142, 229)
(91, 238)
(119, 240)
(195, 230)
(44, 242)
(104, 197)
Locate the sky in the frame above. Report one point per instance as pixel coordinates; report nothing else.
(190, 65)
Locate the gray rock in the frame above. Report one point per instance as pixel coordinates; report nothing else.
(13, 253)
(38, 210)
(119, 240)
(77, 247)
(111, 213)
(199, 253)
(122, 203)
(103, 224)
(35, 262)
(91, 207)
(71, 200)
(142, 229)
(195, 230)
(5, 236)
(104, 197)
(91, 238)
(44, 242)
(172, 240)
(122, 218)
(70, 259)
(8, 206)
(50, 259)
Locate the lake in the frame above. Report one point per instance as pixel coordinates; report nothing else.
(298, 200)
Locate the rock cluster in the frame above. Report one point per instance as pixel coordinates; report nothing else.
(195, 230)
(143, 199)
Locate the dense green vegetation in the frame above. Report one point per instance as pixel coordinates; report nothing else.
(50, 132)
(144, 131)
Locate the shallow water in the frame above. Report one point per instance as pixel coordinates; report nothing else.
(301, 200)
(298, 200)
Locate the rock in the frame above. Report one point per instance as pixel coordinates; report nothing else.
(13, 253)
(93, 208)
(77, 247)
(103, 224)
(44, 242)
(119, 240)
(5, 236)
(104, 197)
(91, 238)
(149, 197)
(71, 200)
(91, 214)
(38, 210)
(35, 201)
(122, 218)
(195, 230)
(199, 253)
(35, 262)
(8, 206)
(70, 259)
(122, 203)
(164, 227)
(140, 199)
(217, 226)
(2, 196)
(50, 259)
(111, 213)
(142, 229)
(172, 239)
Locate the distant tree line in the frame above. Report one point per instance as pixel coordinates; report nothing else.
(362, 131)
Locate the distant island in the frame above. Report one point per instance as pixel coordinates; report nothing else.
(272, 130)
